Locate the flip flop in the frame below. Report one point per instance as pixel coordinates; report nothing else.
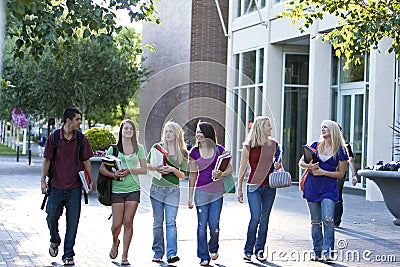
(125, 262)
(113, 254)
(68, 261)
(53, 249)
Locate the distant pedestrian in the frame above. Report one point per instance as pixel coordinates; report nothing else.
(321, 188)
(66, 186)
(41, 144)
(339, 204)
(208, 196)
(125, 196)
(165, 192)
(258, 151)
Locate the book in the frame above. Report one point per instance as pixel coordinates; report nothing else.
(112, 163)
(156, 159)
(222, 162)
(309, 154)
(84, 180)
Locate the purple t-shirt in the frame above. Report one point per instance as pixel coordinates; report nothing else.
(205, 168)
(316, 188)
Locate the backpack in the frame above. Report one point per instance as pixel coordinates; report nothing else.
(104, 184)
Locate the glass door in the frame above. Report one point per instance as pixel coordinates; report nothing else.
(353, 126)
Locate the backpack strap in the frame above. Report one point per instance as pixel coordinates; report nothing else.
(115, 150)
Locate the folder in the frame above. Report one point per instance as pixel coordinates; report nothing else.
(309, 154)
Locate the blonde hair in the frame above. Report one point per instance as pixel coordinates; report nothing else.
(257, 136)
(180, 147)
(336, 137)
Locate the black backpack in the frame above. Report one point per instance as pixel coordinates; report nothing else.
(104, 184)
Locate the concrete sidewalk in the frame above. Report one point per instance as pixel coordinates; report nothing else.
(367, 235)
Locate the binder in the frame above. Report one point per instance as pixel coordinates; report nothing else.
(309, 154)
(223, 162)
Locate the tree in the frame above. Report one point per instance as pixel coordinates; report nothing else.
(55, 24)
(361, 24)
(100, 81)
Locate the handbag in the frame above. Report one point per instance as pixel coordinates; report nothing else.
(280, 179)
(303, 180)
(229, 184)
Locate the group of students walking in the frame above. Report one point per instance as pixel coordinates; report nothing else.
(205, 187)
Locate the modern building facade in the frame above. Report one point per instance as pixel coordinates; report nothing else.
(298, 81)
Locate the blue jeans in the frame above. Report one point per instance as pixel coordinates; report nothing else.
(165, 201)
(57, 200)
(260, 199)
(322, 211)
(208, 206)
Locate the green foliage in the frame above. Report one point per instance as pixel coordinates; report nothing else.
(100, 138)
(361, 24)
(98, 80)
(56, 24)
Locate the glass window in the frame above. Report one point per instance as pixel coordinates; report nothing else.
(296, 69)
(236, 70)
(335, 67)
(261, 65)
(354, 72)
(249, 67)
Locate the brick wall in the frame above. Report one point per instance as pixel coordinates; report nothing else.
(190, 32)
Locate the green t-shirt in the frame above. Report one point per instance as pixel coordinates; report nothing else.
(170, 178)
(131, 181)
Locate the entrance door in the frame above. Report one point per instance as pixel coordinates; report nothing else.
(352, 103)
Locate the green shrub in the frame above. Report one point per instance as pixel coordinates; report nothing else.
(100, 138)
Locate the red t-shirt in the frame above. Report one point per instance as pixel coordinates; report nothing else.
(65, 169)
(261, 159)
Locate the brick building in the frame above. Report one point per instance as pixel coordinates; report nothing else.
(188, 69)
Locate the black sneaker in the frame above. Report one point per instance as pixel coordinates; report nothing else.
(260, 255)
(173, 259)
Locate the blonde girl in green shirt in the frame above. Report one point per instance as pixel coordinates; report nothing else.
(165, 193)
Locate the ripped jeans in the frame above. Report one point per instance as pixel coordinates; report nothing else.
(208, 206)
(322, 211)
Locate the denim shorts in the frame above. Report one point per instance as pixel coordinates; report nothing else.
(123, 197)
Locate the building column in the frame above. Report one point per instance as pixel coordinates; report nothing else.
(380, 112)
(319, 100)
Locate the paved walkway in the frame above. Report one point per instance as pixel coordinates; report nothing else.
(367, 235)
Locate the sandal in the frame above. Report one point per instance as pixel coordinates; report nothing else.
(156, 260)
(68, 261)
(53, 249)
(125, 262)
(114, 253)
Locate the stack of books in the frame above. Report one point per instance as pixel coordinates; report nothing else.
(223, 162)
(112, 163)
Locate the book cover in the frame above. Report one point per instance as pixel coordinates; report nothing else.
(112, 163)
(223, 162)
(309, 154)
(84, 180)
(156, 159)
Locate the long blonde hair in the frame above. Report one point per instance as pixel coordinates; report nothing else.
(180, 147)
(257, 136)
(336, 137)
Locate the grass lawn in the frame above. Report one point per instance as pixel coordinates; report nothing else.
(4, 150)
